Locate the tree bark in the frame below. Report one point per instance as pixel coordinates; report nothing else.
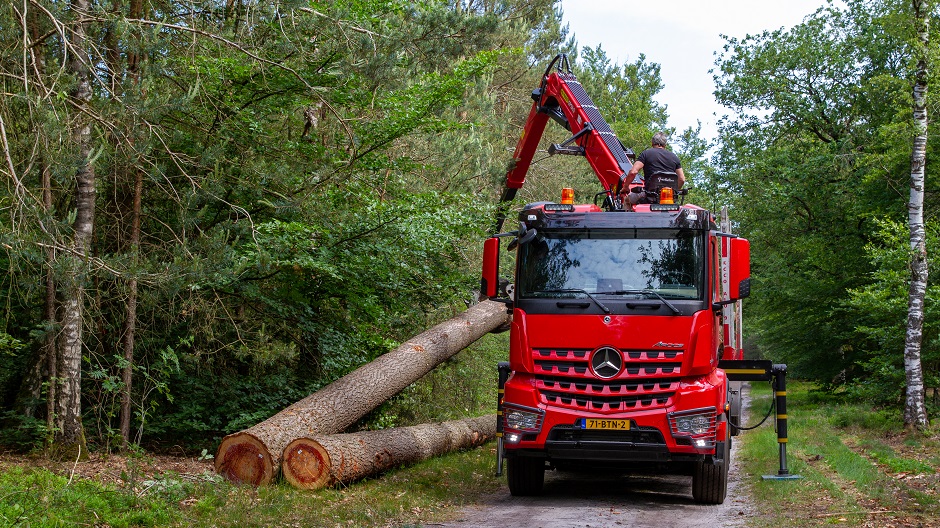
(70, 435)
(130, 323)
(317, 462)
(915, 411)
(50, 351)
(253, 456)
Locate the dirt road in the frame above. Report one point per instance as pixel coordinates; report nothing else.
(591, 501)
(575, 500)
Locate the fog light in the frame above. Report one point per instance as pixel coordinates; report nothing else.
(513, 438)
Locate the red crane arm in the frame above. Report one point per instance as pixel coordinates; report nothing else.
(562, 98)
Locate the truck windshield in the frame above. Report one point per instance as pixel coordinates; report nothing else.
(640, 263)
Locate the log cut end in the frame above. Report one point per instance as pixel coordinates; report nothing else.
(244, 459)
(306, 464)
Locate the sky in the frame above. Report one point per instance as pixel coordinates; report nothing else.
(684, 38)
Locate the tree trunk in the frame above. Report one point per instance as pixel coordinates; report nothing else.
(253, 456)
(130, 323)
(314, 463)
(49, 343)
(915, 412)
(69, 435)
(50, 351)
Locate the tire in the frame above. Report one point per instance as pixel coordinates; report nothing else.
(710, 480)
(525, 475)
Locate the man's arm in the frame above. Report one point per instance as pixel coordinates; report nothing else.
(681, 175)
(637, 165)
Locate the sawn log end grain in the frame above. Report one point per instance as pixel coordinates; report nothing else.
(244, 459)
(305, 464)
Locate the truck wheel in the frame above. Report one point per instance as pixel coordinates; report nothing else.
(710, 481)
(525, 475)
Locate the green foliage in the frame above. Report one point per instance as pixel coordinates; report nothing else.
(817, 163)
(316, 180)
(886, 456)
(22, 433)
(625, 94)
(883, 420)
(880, 312)
(9, 345)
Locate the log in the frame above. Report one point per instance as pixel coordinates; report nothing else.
(314, 463)
(253, 456)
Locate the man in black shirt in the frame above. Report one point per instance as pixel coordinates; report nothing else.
(657, 164)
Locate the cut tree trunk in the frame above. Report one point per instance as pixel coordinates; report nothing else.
(314, 463)
(253, 456)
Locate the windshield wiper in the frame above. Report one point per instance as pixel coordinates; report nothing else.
(578, 290)
(643, 292)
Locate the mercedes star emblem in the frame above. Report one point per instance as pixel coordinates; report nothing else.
(606, 362)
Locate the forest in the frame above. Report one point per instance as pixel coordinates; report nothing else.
(210, 209)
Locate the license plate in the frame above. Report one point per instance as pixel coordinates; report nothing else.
(612, 425)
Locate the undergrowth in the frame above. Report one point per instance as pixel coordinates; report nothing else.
(857, 466)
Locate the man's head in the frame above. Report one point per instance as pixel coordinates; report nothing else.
(659, 140)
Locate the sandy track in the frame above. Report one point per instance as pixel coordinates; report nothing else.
(638, 501)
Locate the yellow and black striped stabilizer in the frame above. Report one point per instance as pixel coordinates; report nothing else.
(503, 369)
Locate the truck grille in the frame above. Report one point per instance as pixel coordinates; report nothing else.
(648, 380)
(637, 435)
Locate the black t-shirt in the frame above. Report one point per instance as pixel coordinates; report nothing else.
(658, 160)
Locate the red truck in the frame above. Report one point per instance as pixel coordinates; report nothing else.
(620, 315)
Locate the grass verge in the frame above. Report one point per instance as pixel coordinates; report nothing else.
(858, 466)
(425, 493)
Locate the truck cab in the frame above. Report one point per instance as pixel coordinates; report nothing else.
(617, 330)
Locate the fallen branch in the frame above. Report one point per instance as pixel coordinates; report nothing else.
(820, 515)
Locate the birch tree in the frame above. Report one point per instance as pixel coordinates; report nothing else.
(69, 432)
(915, 412)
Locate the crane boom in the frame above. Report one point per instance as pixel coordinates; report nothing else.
(561, 97)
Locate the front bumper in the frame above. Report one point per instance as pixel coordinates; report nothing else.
(651, 437)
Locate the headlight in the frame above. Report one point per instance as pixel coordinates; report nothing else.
(523, 419)
(696, 423)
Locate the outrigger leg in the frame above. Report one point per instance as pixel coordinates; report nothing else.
(763, 370)
(503, 368)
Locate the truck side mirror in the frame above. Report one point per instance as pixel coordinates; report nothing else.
(740, 273)
(489, 282)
